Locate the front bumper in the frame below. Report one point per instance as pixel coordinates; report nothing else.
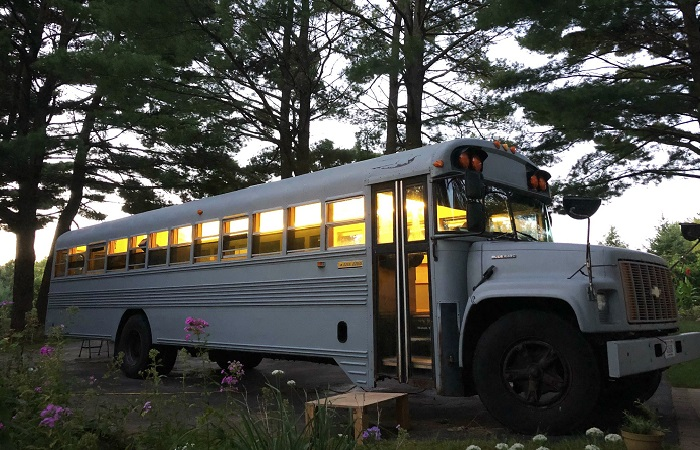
(634, 356)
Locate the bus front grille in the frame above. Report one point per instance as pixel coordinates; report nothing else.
(649, 292)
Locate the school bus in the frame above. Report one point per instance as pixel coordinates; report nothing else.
(433, 266)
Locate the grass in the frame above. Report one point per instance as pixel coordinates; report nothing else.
(685, 375)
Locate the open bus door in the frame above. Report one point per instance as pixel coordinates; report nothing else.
(403, 317)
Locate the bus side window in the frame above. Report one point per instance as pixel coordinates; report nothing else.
(304, 232)
(206, 241)
(157, 248)
(267, 232)
(346, 222)
(60, 265)
(116, 254)
(180, 243)
(76, 260)
(137, 252)
(96, 258)
(235, 238)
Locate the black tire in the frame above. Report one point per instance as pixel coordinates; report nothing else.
(167, 355)
(223, 357)
(134, 343)
(536, 373)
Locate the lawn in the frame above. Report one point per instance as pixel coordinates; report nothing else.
(686, 375)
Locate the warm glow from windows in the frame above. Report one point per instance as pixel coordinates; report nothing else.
(385, 217)
(270, 221)
(207, 229)
(306, 215)
(77, 250)
(239, 225)
(136, 241)
(118, 246)
(158, 239)
(350, 209)
(182, 235)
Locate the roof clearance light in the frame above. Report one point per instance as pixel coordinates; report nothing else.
(497, 143)
(477, 164)
(512, 148)
(439, 163)
(505, 147)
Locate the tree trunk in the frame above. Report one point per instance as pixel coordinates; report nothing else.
(414, 50)
(284, 127)
(23, 281)
(392, 110)
(303, 82)
(72, 207)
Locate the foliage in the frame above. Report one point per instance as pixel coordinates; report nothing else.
(613, 239)
(617, 75)
(641, 421)
(685, 375)
(7, 274)
(670, 245)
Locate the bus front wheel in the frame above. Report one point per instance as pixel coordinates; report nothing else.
(535, 372)
(134, 343)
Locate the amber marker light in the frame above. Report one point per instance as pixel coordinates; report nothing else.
(199, 212)
(497, 144)
(439, 163)
(512, 148)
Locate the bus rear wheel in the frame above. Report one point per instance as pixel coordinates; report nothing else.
(134, 343)
(536, 373)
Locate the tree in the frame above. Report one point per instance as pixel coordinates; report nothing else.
(271, 69)
(433, 56)
(612, 239)
(77, 77)
(622, 75)
(670, 245)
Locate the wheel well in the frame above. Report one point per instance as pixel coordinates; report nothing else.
(127, 314)
(485, 313)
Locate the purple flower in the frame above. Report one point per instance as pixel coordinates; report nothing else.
(233, 374)
(146, 408)
(3, 304)
(37, 389)
(195, 327)
(92, 380)
(47, 350)
(52, 414)
(372, 431)
(2, 426)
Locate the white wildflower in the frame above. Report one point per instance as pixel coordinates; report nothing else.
(502, 446)
(613, 438)
(277, 372)
(594, 432)
(542, 448)
(592, 447)
(539, 438)
(291, 383)
(517, 446)
(473, 447)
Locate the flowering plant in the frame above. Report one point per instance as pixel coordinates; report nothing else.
(195, 327)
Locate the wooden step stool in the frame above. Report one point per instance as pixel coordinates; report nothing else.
(358, 401)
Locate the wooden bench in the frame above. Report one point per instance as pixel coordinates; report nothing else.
(358, 401)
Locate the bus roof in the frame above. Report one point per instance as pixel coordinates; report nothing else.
(336, 182)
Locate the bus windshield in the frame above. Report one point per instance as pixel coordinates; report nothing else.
(508, 213)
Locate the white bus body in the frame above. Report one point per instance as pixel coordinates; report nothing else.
(374, 266)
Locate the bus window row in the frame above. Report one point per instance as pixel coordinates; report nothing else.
(231, 238)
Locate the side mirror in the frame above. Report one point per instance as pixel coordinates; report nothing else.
(474, 185)
(476, 217)
(690, 231)
(581, 207)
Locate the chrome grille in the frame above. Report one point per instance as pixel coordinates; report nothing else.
(649, 292)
